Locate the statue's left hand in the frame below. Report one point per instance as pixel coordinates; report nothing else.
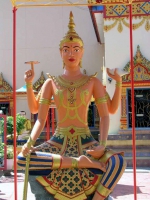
(97, 152)
(114, 76)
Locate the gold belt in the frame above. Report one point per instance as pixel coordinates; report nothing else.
(72, 131)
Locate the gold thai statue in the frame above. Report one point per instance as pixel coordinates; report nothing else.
(74, 164)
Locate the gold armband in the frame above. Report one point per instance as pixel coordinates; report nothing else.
(57, 161)
(119, 84)
(30, 142)
(103, 143)
(101, 100)
(45, 101)
(28, 85)
(74, 163)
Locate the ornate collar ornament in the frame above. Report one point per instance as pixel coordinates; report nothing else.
(71, 35)
(67, 84)
(72, 84)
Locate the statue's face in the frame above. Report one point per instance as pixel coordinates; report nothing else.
(71, 53)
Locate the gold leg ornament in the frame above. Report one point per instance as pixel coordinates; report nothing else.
(30, 143)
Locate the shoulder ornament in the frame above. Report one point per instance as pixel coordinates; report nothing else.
(94, 75)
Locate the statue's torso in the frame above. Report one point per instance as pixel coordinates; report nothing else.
(72, 99)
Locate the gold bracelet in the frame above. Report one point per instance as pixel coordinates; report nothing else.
(103, 143)
(118, 84)
(45, 101)
(74, 163)
(28, 85)
(30, 142)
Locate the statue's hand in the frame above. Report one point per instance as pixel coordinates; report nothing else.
(114, 76)
(97, 152)
(29, 75)
(25, 150)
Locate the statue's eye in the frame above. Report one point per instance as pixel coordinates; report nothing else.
(65, 50)
(77, 50)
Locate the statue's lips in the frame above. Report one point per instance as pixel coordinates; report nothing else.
(71, 59)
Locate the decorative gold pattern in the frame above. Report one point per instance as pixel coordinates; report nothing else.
(56, 161)
(4, 86)
(73, 84)
(29, 85)
(141, 68)
(71, 35)
(38, 84)
(74, 163)
(118, 84)
(70, 88)
(46, 3)
(141, 80)
(103, 190)
(44, 101)
(101, 100)
(72, 183)
(103, 143)
(121, 22)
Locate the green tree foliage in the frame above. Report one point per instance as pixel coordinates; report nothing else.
(20, 121)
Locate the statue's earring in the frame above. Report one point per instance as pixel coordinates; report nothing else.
(63, 65)
(80, 63)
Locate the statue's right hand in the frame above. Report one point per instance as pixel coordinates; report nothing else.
(29, 74)
(25, 150)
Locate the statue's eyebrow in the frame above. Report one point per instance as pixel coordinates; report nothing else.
(76, 46)
(66, 47)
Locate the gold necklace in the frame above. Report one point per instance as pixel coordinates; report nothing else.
(68, 84)
(72, 83)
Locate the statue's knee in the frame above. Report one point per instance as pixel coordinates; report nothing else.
(118, 161)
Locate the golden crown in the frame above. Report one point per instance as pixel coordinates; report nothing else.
(71, 35)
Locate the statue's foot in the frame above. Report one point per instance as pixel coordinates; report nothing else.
(85, 162)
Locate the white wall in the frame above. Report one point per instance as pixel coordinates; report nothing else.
(39, 31)
(22, 105)
(117, 54)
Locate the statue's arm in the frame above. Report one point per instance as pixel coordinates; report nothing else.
(44, 103)
(113, 103)
(101, 103)
(32, 100)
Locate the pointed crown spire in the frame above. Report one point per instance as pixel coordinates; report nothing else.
(71, 35)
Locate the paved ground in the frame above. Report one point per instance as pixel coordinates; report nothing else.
(123, 191)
